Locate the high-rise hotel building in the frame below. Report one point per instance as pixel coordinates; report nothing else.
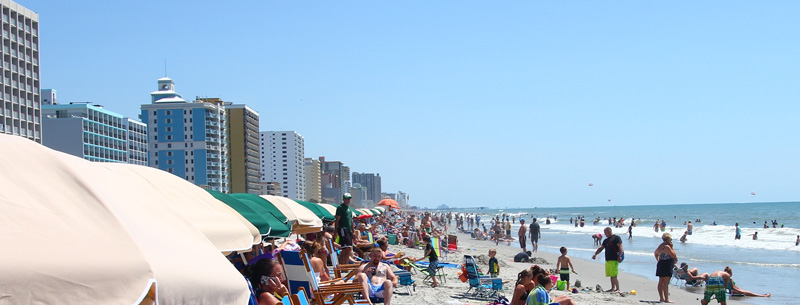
(186, 138)
(243, 149)
(282, 156)
(85, 130)
(20, 109)
(313, 180)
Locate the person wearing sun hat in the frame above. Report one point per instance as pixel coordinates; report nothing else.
(344, 228)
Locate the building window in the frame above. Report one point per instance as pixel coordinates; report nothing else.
(169, 112)
(169, 162)
(169, 145)
(169, 154)
(169, 137)
(169, 121)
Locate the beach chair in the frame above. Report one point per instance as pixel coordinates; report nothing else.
(424, 271)
(337, 269)
(485, 286)
(452, 243)
(438, 248)
(404, 280)
(298, 273)
(681, 277)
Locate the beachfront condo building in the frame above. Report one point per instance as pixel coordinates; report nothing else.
(243, 149)
(186, 138)
(359, 193)
(85, 130)
(48, 97)
(137, 141)
(334, 179)
(282, 154)
(313, 180)
(20, 109)
(373, 184)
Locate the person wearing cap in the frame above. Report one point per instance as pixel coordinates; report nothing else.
(344, 227)
(522, 234)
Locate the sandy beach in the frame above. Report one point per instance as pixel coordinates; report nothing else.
(590, 273)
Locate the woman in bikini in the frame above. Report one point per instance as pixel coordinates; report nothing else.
(523, 287)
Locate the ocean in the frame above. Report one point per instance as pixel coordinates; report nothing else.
(768, 264)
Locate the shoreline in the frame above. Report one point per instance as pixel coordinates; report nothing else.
(590, 273)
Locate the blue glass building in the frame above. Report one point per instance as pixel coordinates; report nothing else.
(187, 138)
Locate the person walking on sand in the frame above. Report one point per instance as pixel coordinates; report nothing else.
(666, 256)
(535, 232)
(613, 247)
(523, 229)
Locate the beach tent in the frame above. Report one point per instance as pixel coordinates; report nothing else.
(303, 220)
(63, 264)
(267, 223)
(318, 210)
(223, 226)
(60, 243)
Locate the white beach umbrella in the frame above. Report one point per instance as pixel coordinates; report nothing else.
(303, 220)
(221, 224)
(59, 242)
(188, 267)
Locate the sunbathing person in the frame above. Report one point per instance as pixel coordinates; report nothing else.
(376, 277)
(736, 290)
(692, 275)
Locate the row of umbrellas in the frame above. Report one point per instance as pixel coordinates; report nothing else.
(276, 216)
(78, 232)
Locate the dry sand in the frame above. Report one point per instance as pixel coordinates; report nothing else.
(590, 273)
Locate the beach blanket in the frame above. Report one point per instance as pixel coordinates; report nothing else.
(445, 265)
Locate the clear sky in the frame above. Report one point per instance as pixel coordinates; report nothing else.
(474, 103)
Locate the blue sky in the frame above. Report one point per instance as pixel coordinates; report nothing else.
(474, 103)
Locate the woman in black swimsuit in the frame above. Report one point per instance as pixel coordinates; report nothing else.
(524, 279)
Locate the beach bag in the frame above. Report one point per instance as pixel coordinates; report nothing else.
(561, 285)
(500, 301)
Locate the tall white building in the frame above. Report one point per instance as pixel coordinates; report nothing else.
(20, 103)
(137, 141)
(282, 155)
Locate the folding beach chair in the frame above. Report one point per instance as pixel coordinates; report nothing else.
(338, 269)
(452, 243)
(437, 248)
(298, 273)
(424, 271)
(485, 286)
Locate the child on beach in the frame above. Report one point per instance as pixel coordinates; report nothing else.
(494, 266)
(564, 265)
(430, 253)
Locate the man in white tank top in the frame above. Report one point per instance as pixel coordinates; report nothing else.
(376, 277)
